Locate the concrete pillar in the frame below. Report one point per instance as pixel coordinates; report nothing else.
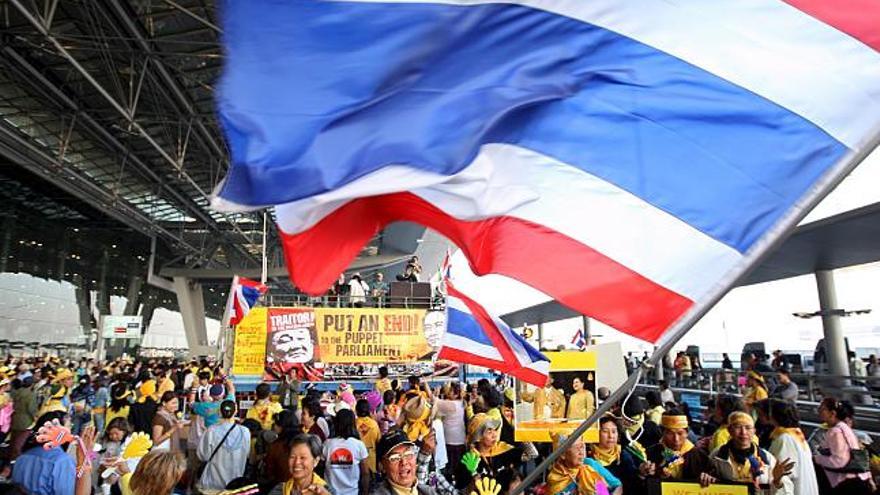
(192, 309)
(103, 290)
(6, 241)
(133, 296)
(147, 311)
(835, 347)
(83, 303)
(588, 333)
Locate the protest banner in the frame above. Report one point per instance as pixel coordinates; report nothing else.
(680, 488)
(249, 351)
(371, 335)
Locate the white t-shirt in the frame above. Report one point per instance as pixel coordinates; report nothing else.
(451, 412)
(343, 459)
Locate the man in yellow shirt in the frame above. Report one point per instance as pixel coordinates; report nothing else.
(368, 429)
(725, 405)
(383, 383)
(546, 401)
(264, 409)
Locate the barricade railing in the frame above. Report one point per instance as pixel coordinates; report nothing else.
(810, 385)
(344, 301)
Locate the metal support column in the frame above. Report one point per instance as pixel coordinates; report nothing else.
(540, 336)
(658, 370)
(588, 334)
(835, 347)
(192, 309)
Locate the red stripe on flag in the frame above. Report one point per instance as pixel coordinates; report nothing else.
(527, 375)
(574, 274)
(487, 324)
(857, 18)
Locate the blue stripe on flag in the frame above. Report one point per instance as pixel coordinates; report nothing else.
(318, 94)
(465, 325)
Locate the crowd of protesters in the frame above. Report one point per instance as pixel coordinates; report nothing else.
(161, 427)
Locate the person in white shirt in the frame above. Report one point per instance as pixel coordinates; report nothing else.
(357, 290)
(346, 457)
(666, 394)
(788, 442)
(450, 410)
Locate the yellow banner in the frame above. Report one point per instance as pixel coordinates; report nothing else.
(673, 488)
(371, 335)
(249, 353)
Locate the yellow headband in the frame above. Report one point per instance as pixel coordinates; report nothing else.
(740, 418)
(674, 422)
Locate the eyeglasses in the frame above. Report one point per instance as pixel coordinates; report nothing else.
(403, 456)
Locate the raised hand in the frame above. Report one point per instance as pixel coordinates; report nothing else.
(486, 486)
(782, 469)
(471, 461)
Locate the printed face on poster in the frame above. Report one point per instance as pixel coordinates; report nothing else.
(568, 398)
(291, 344)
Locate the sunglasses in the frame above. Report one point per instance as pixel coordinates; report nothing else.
(403, 456)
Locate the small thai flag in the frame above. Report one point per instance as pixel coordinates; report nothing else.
(475, 337)
(242, 297)
(579, 341)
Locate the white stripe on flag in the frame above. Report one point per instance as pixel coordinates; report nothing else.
(511, 180)
(738, 41)
(467, 345)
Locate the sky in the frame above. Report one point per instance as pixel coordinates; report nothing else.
(36, 309)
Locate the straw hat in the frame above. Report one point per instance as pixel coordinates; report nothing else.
(416, 409)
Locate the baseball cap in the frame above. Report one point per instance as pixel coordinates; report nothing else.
(390, 440)
(217, 390)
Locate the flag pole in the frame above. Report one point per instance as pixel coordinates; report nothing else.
(760, 250)
(225, 328)
(264, 274)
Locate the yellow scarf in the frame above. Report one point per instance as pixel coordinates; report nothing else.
(287, 487)
(497, 449)
(417, 429)
(795, 432)
(606, 456)
(583, 476)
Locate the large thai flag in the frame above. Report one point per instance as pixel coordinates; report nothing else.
(473, 336)
(628, 158)
(243, 296)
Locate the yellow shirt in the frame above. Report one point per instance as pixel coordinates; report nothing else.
(264, 411)
(111, 415)
(287, 487)
(368, 429)
(581, 405)
(722, 436)
(754, 394)
(383, 384)
(165, 385)
(545, 401)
